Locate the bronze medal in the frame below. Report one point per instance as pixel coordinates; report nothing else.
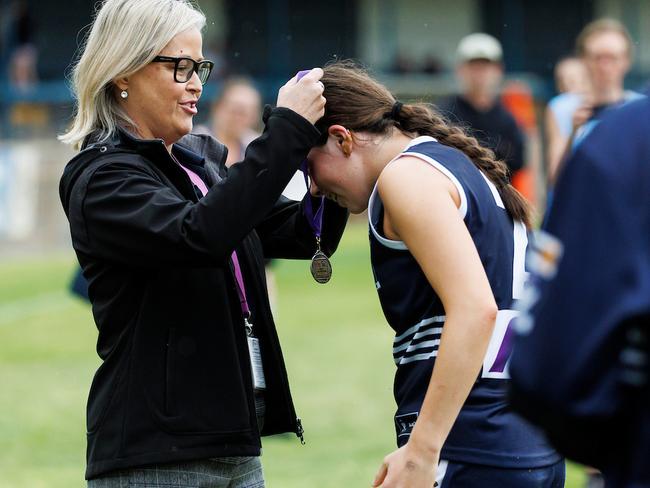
(321, 268)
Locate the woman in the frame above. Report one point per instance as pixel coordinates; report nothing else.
(235, 117)
(173, 249)
(572, 83)
(447, 242)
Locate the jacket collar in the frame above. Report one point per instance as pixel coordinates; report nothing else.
(196, 149)
(122, 138)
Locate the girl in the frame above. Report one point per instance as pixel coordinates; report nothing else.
(448, 239)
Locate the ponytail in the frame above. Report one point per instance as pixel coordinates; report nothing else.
(360, 103)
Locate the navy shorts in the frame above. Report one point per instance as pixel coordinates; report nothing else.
(460, 475)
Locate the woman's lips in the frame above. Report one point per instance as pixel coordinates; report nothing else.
(190, 107)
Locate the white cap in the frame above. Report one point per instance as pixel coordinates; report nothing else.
(479, 46)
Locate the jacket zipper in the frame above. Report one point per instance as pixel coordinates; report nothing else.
(300, 431)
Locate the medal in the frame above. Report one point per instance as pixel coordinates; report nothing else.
(321, 268)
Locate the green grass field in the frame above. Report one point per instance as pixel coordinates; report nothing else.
(337, 348)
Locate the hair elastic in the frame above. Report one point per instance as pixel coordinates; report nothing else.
(395, 111)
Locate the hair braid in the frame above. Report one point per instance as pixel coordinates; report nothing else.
(358, 102)
(454, 136)
(423, 119)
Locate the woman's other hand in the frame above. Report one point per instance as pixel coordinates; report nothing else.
(304, 96)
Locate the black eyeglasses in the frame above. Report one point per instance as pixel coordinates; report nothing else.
(184, 68)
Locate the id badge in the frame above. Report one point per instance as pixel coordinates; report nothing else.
(256, 363)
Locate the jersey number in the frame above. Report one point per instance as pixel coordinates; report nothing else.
(495, 363)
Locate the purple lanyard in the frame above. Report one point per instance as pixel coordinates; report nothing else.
(315, 220)
(241, 291)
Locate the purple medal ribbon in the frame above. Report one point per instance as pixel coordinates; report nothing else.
(321, 269)
(315, 220)
(302, 73)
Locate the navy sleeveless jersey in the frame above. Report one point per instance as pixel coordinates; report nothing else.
(486, 430)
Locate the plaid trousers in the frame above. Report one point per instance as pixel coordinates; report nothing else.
(225, 472)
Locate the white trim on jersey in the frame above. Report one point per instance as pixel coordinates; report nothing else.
(418, 335)
(389, 243)
(419, 140)
(400, 245)
(519, 273)
(414, 347)
(416, 327)
(403, 344)
(493, 189)
(417, 357)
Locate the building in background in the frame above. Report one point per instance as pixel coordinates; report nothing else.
(410, 44)
(268, 39)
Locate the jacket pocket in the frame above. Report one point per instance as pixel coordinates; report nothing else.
(201, 388)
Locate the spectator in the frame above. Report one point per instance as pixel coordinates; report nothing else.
(571, 75)
(606, 48)
(23, 55)
(572, 82)
(478, 108)
(235, 117)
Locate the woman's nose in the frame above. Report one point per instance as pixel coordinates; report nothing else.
(194, 84)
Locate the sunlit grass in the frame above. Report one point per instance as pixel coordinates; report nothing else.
(337, 348)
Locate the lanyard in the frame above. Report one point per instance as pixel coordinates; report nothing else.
(315, 220)
(241, 290)
(257, 368)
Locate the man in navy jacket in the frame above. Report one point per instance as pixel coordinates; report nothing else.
(580, 367)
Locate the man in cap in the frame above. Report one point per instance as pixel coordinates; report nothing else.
(478, 108)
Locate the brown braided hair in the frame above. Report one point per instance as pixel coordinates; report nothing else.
(360, 103)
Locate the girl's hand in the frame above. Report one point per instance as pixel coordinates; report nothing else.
(408, 467)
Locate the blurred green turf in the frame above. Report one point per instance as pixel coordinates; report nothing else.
(337, 348)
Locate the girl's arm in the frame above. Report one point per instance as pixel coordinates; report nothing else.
(421, 209)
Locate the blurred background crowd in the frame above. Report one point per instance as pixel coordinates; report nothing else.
(503, 86)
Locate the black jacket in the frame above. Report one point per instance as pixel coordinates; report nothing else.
(175, 382)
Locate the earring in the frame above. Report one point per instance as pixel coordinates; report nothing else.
(124, 94)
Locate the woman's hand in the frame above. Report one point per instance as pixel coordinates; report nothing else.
(304, 96)
(411, 466)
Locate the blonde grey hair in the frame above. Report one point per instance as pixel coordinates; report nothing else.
(124, 37)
